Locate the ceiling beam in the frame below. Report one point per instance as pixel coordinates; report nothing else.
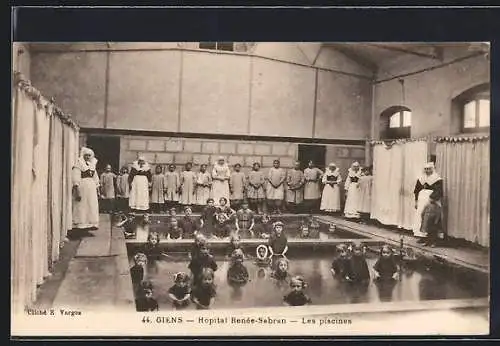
(354, 56)
(405, 51)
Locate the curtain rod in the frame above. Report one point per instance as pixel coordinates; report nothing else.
(26, 86)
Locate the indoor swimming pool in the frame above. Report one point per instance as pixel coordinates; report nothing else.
(420, 279)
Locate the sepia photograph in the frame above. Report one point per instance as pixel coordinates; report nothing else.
(250, 188)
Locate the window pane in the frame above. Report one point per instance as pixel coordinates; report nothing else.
(207, 45)
(484, 113)
(225, 46)
(406, 118)
(394, 120)
(470, 115)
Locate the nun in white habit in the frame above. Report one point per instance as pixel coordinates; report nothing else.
(430, 183)
(352, 190)
(140, 181)
(220, 180)
(85, 186)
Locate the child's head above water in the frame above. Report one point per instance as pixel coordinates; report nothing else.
(262, 252)
(357, 249)
(244, 205)
(278, 228)
(342, 250)
(235, 240)
(282, 265)
(147, 289)
(386, 251)
(237, 256)
(297, 283)
(199, 239)
(158, 169)
(173, 222)
(256, 166)
(153, 238)
(207, 277)
(181, 279)
(140, 258)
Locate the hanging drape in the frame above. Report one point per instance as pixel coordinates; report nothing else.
(464, 164)
(43, 152)
(395, 169)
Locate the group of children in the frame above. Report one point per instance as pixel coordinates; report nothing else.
(303, 191)
(199, 288)
(217, 222)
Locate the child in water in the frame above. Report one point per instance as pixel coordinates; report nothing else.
(237, 272)
(188, 224)
(262, 259)
(180, 292)
(209, 218)
(223, 227)
(203, 294)
(264, 229)
(200, 262)
(278, 242)
(152, 247)
(297, 296)
(234, 244)
(340, 264)
(145, 300)
(174, 231)
(358, 271)
(137, 270)
(386, 267)
(199, 242)
(281, 271)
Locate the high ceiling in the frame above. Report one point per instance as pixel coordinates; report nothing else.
(374, 55)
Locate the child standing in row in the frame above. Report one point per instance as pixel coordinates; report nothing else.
(276, 188)
(203, 186)
(108, 179)
(158, 190)
(140, 182)
(295, 181)
(255, 189)
(365, 194)
(187, 186)
(172, 185)
(122, 190)
(237, 186)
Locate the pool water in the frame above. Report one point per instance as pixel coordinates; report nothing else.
(264, 291)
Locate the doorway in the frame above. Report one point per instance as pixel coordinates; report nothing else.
(107, 151)
(315, 153)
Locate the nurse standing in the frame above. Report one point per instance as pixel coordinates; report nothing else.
(140, 179)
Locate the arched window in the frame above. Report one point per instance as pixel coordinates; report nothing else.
(476, 112)
(395, 123)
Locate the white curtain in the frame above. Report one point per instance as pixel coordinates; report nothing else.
(464, 164)
(395, 169)
(43, 151)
